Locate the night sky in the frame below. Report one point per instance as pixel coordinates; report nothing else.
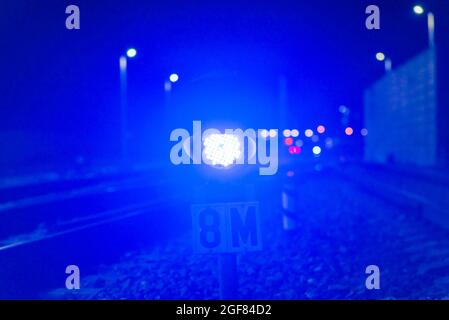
(61, 87)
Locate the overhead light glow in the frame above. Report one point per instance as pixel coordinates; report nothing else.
(287, 133)
(380, 56)
(418, 9)
(131, 53)
(222, 149)
(364, 132)
(174, 77)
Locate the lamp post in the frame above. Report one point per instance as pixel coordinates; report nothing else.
(419, 10)
(123, 64)
(380, 56)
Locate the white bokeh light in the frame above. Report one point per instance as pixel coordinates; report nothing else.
(222, 149)
(308, 133)
(273, 133)
(131, 53)
(173, 77)
(316, 150)
(295, 133)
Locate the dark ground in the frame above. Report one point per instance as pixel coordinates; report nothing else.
(342, 230)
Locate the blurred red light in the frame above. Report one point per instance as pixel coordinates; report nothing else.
(288, 141)
(294, 150)
(349, 131)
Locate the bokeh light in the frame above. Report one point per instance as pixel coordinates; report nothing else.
(316, 150)
(321, 129)
(287, 133)
(264, 133)
(308, 133)
(364, 132)
(329, 143)
(295, 133)
(131, 53)
(288, 141)
(380, 56)
(222, 149)
(418, 9)
(349, 131)
(174, 77)
(294, 150)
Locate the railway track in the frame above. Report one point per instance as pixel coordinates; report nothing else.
(411, 249)
(342, 228)
(88, 225)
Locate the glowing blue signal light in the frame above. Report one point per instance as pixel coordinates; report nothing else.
(173, 77)
(316, 150)
(222, 149)
(131, 53)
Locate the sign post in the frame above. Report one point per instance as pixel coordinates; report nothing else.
(226, 228)
(228, 276)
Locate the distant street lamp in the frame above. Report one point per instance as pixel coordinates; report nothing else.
(380, 56)
(123, 63)
(419, 10)
(131, 52)
(174, 77)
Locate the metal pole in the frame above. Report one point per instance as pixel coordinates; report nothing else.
(228, 278)
(431, 29)
(124, 109)
(388, 64)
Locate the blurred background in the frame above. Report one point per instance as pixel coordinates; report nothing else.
(360, 117)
